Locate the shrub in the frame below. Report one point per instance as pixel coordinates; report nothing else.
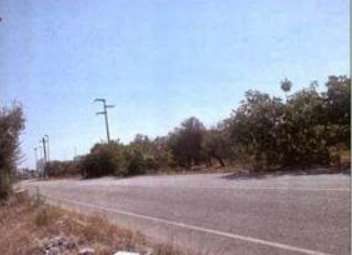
(104, 159)
(46, 215)
(58, 168)
(137, 162)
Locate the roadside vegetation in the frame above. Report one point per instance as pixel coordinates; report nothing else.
(11, 125)
(310, 127)
(31, 227)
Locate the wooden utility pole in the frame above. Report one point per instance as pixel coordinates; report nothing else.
(105, 113)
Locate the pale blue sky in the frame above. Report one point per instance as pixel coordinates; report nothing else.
(158, 61)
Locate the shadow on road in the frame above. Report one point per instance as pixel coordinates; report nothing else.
(278, 173)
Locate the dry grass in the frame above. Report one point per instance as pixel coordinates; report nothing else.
(24, 223)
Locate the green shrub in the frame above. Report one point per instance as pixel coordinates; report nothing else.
(104, 159)
(58, 168)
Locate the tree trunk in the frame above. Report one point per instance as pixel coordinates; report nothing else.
(218, 158)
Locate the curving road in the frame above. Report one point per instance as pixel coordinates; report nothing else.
(219, 214)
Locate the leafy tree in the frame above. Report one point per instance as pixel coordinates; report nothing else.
(253, 129)
(186, 142)
(303, 133)
(104, 159)
(303, 130)
(286, 85)
(215, 145)
(11, 125)
(338, 100)
(163, 153)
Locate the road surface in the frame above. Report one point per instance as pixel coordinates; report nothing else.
(219, 214)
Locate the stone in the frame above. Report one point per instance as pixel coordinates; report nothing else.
(126, 253)
(53, 251)
(86, 251)
(70, 245)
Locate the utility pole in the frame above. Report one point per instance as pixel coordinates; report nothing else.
(43, 140)
(36, 158)
(105, 113)
(46, 137)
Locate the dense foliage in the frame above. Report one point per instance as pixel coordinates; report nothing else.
(269, 132)
(305, 128)
(66, 168)
(11, 125)
(186, 142)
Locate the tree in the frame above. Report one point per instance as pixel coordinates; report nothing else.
(186, 142)
(286, 85)
(215, 145)
(301, 131)
(104, 159)
(253, 129)
(338, 100)
(11, 125)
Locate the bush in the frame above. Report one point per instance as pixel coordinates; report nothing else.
(58, 168)
(120, 160)
(104, 159)
(45, 216)
(137, 162)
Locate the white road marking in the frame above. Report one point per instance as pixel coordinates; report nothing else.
(236, 188)
(196, 228)
(293, 189)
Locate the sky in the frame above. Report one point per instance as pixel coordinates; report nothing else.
(157, 61)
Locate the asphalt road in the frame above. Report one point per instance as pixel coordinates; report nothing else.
(219, 214)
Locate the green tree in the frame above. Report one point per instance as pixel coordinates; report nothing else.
(253, 129)
(186, 142)
(215, 145)
(104, 159)
(286, 85)
(301, 131)
(338, 100)
(11, 125)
